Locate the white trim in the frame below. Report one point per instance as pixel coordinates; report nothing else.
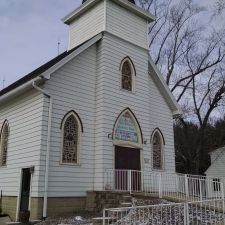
(5, 123)
(30, 195)
(19, 192)
(79, 50)
(105, 15)
(89, 4)
(19, 195)
(163, 87)
(157, 131)
(133, 75)
(128, 144)
(78, 142)
(19, 90)
(46, 75)
(45, 202)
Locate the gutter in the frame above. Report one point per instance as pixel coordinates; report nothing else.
(48, 146)
(18, 90)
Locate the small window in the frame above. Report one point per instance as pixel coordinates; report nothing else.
(216, 184)
(157, 154)
(71, 129)
(4, 143)
(127, 75)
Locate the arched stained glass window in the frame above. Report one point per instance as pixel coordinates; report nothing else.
(71, 134)
(4, 143)
(126, 129)
(157, 144)
(127, 73)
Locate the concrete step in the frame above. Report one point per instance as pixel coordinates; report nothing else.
(99, 220)
(13, 223)
(126, 204)
(127, 197)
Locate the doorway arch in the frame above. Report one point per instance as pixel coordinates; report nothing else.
(128, 142)
(127, 130)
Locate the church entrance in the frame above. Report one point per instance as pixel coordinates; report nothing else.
(127, 168)
(25, 189)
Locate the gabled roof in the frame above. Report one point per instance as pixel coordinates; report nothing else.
(50, 65)
(48, 68)
(164, 89)
(36, 72)
(221, 149)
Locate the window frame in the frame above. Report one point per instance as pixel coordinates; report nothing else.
(216, 184)
(5, 123)
(162, 141)
(133, 75)
(79, 138)
(124, 143)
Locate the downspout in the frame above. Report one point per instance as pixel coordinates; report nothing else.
(48, 148)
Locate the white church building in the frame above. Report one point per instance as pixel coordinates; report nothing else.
(100, 105)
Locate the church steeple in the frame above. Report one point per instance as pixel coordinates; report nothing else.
(121, 18)
(132, 1)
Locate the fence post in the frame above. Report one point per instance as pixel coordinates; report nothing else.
(186, 214)
(186, 186)
(160, 185)
(129, 181)
(222, 195)
(200, 187)
(103, 216)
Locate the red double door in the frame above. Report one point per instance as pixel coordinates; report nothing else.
(127, 169)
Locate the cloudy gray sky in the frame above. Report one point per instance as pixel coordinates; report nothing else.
(29, 32)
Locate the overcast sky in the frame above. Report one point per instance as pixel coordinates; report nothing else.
(29, 32)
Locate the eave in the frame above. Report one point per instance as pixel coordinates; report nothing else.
(89, 4)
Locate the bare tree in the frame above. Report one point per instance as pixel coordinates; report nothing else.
(219, 7)
(191, 56)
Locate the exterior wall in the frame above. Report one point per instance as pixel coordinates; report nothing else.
(108, 16)
(72, 88)
(125, 24)
(24, 115)
(56, 206)
(147, 104)
(9, 206)
(65, 206)
(217, 167)
(87, 26)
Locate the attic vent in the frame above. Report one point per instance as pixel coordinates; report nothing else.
(132, 1)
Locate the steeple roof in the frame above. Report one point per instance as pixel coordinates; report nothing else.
(132, 1)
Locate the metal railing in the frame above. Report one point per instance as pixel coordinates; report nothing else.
(176, 186)
(203, 212)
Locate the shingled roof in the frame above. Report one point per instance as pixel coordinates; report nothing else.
(37, 71)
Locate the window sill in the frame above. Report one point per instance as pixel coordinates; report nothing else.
(1, 167)
(70, 164)
(158, 170)
(126, 91)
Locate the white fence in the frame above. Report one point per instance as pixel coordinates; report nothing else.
(176, 186)
(204, 212)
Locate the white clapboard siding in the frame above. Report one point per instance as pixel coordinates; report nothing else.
(217, 168)
(147, 104)
(72, 88)
(125, 24)
(24, 115)
(87, 26)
